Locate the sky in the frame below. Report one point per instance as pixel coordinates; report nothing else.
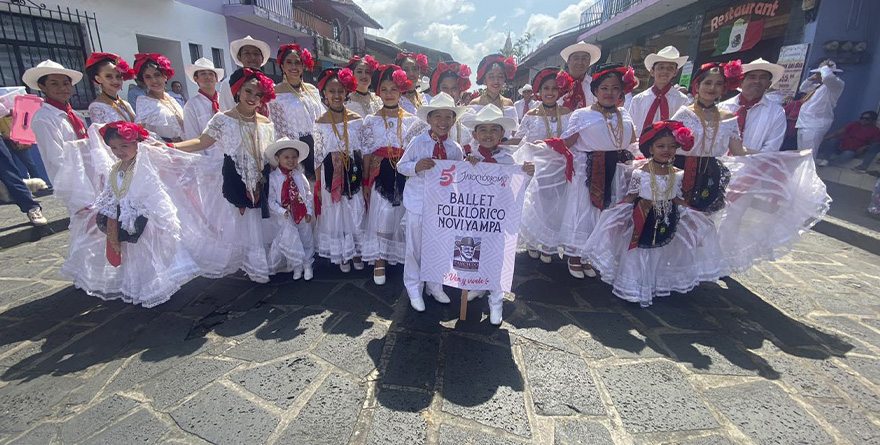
(471, 29)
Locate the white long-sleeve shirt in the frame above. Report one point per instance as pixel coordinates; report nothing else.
(276, 184)
(765, 124)
(519, 107)
(641, 103)
(196, 114)
(52, 129)
(421, 147)
(818, 112)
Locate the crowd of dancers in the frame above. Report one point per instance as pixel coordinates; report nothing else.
(658, 192)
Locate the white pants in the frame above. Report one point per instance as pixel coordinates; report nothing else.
(811, 138)
(307, 238)
(412, 267)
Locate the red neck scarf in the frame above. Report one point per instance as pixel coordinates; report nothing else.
(291, 199)
(661, 103)
(576, 98)
(487, 155)
(215, 100)
(742, 113)
(439, 149)
(78, 126)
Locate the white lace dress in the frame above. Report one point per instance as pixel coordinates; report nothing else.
(770, 199)
(153, 267)
(340, 227)
(384, 236)
(364, 105)
(102, 113)
(674, 256)
(409, 106)
(164, 118)
(294, 116)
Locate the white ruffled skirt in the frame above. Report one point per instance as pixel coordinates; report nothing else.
(286, 253)
(639, 275)
(384, 232)
(340, 227)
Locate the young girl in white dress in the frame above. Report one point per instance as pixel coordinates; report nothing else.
(385, 135)
(415, 66)
(297, 104)
(494, 71)
(363, 101)
(292, 205)
(133, 251)
(238, 210)
(109, 71)
(452, 78)
(339, 203)
(602, 139)
(538, 136)
(652, 243)
(157, 111)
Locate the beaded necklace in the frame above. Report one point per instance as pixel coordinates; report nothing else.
(616, 140)
(547, 121)
(118, 106)
(392, 158)
(662, 203)
(704, 166)
(254, 140)
(346, 155)
(127, 176)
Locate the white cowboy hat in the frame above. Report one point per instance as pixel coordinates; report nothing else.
(668, 54)
(525, 87)
(490, 114)
(202, 64)
(46, 67)
(775, 70)
(236, 45)
(582, 47)
(442, 101)
(301, 147)
(831, 65)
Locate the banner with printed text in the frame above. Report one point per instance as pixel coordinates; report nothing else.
(470, 224)
(792, 58)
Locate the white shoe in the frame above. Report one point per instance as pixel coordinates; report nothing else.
(418, 304)
(345, 267)
(439, 295)
(533, 254)
(822, 162)
(358, 265)
(495, 315)
(589, 272)
(474, 294)
(546, 259)
(308, 274)
(297, 273)
(35, 215)
(378, 279)
(577, 273)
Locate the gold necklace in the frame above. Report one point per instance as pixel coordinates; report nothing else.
(547, 121)
(127, 176)
(346, 156)
(617, 140)
(704, 166)
(392, 158)
(118, 106)
(662, 204)
(254, 139)
(493, 101)
(163, 102)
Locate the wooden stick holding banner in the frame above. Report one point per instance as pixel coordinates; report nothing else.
(463, 314)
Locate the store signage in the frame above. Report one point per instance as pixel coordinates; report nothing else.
(741, 26)
(754, 10)
(792, 58)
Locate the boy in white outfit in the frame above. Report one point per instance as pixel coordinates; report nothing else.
(291, 201)
(419, 156)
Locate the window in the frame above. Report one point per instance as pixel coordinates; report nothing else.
(273, 71)
(217, 56)
(195, 52)
(337, 32)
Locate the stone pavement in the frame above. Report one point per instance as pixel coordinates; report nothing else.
(787, 353)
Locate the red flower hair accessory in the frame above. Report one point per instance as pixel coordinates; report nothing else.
(508, 64)
(121, 65)
(683, 135)
(346, 78)
(732, 72)
(304, 55)
(267, 86)
(422, 62)
(400, 79)
(129, 132)
(509, 68)
(564, 82)
(161, 61)
(420, 59)
(627, 77)
(369, 61)
(461, 72)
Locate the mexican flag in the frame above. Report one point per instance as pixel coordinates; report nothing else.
(741, 36)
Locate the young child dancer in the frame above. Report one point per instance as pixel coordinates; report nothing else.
(489, 126)
(157, 111)
(363, 101)
(385, 135)
(199, 110)
(134, 251)
(109, 71)
(338, 167)
(653, 243)
(544, 123)
(419, 156)
(292, 204)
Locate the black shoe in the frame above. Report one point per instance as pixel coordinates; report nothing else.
(44, 192)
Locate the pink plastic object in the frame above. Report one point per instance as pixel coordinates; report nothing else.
(22, 113)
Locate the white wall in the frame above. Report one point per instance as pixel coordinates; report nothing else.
(121, 21)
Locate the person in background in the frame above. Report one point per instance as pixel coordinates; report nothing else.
(177, 93)
(18, 191)
(578, 58)
(136, 90)
(526, 104)
(206, 102)
(822, 90)
(792, 107)
(246, 53)
(760, 118)
(856, 139)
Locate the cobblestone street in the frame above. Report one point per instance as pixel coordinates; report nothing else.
(787, 353)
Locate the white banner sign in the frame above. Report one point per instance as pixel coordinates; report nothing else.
(470, 224)
(791, 58)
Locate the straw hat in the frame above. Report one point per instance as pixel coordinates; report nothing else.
(236, 45)
(46, 67)
(669, 54)
(203, 64)
(775, 70)
(441, 101)
(301, 147)
(490, 114)
(830, 64)
(582, 47)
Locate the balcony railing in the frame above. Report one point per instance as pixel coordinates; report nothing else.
(604, 10)
(283, 11)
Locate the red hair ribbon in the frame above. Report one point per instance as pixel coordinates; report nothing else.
(128, 131)
(462, 73)
(160, 60)
(371, 63)
(267, 86)
(683, 135)
(345, 76)
(627, 76)
(509, 65)
(304, 55)
(732, 72)
(420, 59)
(121, 65)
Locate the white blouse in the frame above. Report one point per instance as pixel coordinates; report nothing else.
(641, 184)
(327, 142)
(102, 113)
(236, 139)
(598, 134)
(727, 129)
(374, 135)
(372, 104)
(294, 116)
(533, 128)
(161, 117)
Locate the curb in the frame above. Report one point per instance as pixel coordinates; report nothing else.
(854, 235)
(28, 233)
